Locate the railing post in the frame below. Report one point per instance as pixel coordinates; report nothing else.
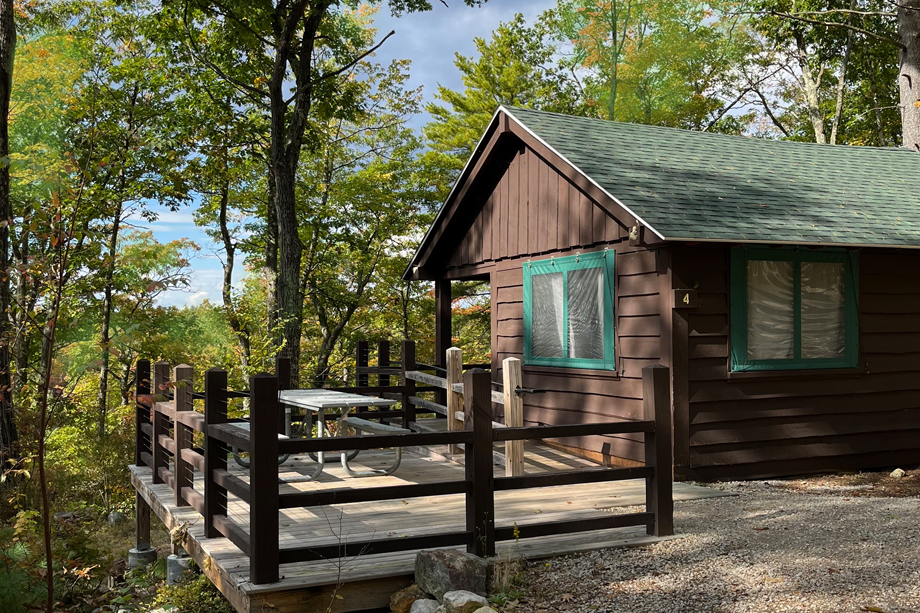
(480, 499)
(361, 360)
(512, 379)
(283, 372)
(184, 376)
(263, 479)
(408, 363)
(215, 451)
(160, 377)
(656, 398)
(454, 399)
(142, 416)
(383, 361)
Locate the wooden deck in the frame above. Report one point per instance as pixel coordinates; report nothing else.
(366, 582)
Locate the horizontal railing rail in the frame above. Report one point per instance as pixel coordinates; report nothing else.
(166, 426)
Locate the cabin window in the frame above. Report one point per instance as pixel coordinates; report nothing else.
(568, 311)
(793, 309)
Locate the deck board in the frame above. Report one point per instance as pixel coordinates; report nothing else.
(366, 581)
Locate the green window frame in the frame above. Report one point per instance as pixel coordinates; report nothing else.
(740, 257)
(603, 260)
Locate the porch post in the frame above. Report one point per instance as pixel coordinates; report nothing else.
(442, 327)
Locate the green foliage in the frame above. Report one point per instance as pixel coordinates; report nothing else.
(515, 68)
(193, 595)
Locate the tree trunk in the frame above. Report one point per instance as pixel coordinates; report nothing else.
(842, 81)
(270, 270)
(290, 298)
(614, 61)
(7, 52)
(242, 335)
(811, 86)
(102, 397)
(873, 91)
(909, 73)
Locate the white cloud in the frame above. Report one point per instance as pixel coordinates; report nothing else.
(197, 298)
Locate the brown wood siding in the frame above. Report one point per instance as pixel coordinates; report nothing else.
(769, 424)
(532, 210)
(578, 395)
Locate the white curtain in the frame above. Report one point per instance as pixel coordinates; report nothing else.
(771, 319)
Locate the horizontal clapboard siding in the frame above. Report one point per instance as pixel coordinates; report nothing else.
(578, 395)
(772, 424)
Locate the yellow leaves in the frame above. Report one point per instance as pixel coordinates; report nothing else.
(260, 81)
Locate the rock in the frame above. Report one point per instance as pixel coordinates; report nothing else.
(117, 518)
(897, 473)
(485, 610)
(426, 606)
(445, 570)
(401, 601)
(461, 601)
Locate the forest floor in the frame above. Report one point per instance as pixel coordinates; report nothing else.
(836, 543)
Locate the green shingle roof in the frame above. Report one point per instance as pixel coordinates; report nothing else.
(702, 186)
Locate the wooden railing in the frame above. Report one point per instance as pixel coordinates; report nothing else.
(510, 397)
(477, 434)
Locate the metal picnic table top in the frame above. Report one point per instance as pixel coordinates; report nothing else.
(320, 399)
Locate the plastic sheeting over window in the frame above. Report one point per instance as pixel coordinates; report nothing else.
(586, 313)
(823, 310)
(547, 309)
(770, 309)
(794, 308)
(568, 311)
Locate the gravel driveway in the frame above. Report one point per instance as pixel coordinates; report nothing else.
(764, 550)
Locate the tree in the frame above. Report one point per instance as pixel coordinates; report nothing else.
(127, 97)
(877, 30)
(362, 194)
(7, 55)
(515, 68)
(292, 53)
(909, 71)
(665, 63)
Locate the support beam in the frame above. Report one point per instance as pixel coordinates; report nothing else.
(659, 496)
(442, 326)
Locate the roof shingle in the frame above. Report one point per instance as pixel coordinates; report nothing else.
(703, 186)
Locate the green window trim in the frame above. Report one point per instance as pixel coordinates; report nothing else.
(601, 259)
(739, 320)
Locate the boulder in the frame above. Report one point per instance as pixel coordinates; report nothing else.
(897, 473)
(444, 570)
(461, 601)
(401, 601)
(485, 610)
(426, 606)
(116, 518)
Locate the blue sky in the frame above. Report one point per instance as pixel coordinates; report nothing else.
(430, 41)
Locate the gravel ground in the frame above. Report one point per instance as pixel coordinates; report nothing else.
(767, 549)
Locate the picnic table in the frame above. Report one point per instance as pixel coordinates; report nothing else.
(318, 401)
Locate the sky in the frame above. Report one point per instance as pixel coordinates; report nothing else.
(430, 40)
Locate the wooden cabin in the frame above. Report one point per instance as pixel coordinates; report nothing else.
(780, 282)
